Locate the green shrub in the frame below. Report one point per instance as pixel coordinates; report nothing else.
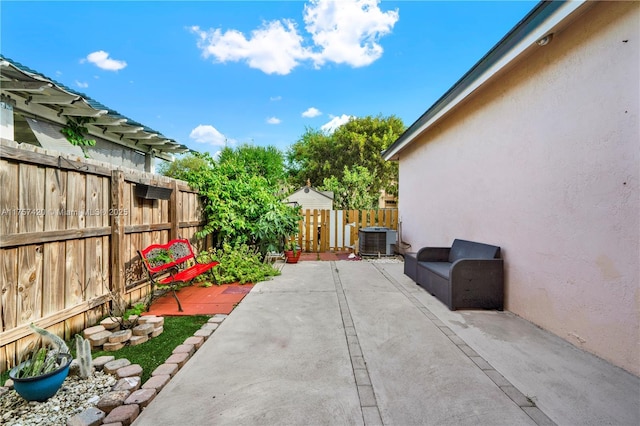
(240, 263)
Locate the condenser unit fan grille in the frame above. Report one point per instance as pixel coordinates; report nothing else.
(375, 241)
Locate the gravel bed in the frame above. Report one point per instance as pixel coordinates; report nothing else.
(383, 259)
(75, 396)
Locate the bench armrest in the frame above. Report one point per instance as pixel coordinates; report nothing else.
(477, 283)
(433, 254)
(477, 269)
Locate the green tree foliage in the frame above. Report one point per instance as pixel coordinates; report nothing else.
(267, 162)
(241, 206)
(353, 191)
(311, 158)
(187, 165)
(317, 155)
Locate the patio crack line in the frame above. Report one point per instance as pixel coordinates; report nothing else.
(366, 394)
(524, 402)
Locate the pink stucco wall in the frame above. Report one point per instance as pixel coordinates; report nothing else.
(544, 161)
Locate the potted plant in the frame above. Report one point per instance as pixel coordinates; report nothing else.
(43, 368)
(292, 252)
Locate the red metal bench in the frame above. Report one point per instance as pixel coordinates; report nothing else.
(175, 258)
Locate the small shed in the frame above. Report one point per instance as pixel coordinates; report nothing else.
(310, 198)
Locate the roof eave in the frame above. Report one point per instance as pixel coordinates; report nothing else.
(64, 102)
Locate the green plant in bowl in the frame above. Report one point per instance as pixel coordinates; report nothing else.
(43, 367)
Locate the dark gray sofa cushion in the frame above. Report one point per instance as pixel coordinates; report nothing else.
(441, 268)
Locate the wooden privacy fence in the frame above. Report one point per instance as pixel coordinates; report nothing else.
(337, 230)
(69, 231)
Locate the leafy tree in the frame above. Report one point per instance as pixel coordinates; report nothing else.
(359, 142)
(183, 167)
(311, 158)
(240, 205)
(267, 162)
(353, 191)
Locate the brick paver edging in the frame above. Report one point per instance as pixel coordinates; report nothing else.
(129, 396)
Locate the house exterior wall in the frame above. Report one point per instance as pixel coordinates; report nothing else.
(117, 154)
(544, 161)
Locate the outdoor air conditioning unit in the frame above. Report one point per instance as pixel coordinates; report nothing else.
(376, 241)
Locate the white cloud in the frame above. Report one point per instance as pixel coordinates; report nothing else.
(275, 48)
(102, 60)
(345, 31)
(208, 134)
(275, 98)
(348, 31)
(336, 122)
(274, 120)
(311, 112)
(82, 84)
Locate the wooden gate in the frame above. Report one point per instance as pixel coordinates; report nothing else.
(337, 230)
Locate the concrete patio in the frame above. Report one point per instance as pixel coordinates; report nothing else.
(352, 343)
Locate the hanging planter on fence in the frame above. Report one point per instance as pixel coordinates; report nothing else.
(150, 192)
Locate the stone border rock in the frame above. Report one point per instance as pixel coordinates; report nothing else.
(128, 397)
(111, 337)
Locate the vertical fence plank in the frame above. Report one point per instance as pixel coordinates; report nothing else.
(9, 198)
(74, 249)
(74, 272)
(353, 229)
(53, 278)
(53, 274)
(180, 215)
(6, 357)
(300, 239)
(31, 203)
(105, 203)
(327, 230)
(134, 242)
(117, 233)
(307, 230)
(338, 244)
(93, 246)
(173, 212)
(76, 200)
(29, 283)
(9, 287)
(9, 203)
(314, 230)
(321, 231)
(105, 276)
(55, 200)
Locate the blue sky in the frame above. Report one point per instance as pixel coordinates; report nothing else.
(206, 73)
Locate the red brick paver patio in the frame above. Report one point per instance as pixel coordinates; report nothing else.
(198, 300)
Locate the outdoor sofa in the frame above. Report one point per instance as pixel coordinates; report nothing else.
(467, 275)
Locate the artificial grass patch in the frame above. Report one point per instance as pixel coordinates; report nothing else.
(153, 353)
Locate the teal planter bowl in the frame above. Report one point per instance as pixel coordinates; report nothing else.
(43, 387)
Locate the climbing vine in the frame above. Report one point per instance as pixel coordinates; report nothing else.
(75, 130)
